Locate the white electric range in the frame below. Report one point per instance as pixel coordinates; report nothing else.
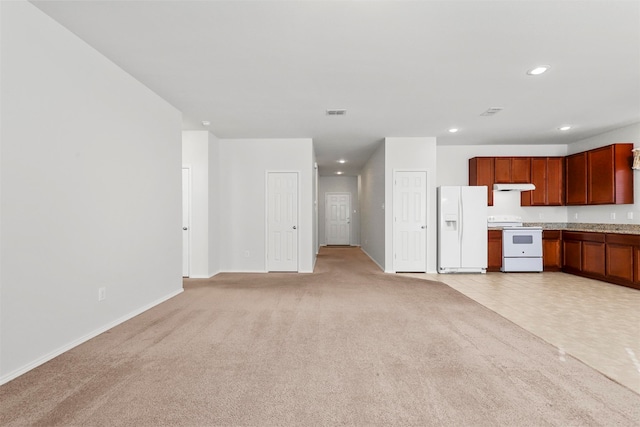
(521, 246)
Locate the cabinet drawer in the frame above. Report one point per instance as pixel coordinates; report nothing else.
(583, 236)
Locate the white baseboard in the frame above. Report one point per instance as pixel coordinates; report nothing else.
(47, 357)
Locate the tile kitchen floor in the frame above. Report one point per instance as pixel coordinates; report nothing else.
(595, 322)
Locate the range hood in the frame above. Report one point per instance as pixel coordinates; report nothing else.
(513, 187)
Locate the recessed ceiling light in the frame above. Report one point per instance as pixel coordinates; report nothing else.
(342, 161)
(339, 173)
(453, 130)
(563, 128)
(206, 123)
(538, 70)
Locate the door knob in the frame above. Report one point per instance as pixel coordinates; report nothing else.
(423, 227)
(294, 227)
(184, 228)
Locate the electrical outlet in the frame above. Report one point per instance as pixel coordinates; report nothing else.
(541, 215)
(613, 215)
(575, 215)
(629, 215)
(247, 254)
(102, 293)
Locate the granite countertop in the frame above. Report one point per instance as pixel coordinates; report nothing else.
(577, 226)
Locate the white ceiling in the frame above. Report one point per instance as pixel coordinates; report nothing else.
(263, 69)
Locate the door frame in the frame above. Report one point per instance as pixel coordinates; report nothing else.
(326, 205)
(189, 216)
(266, 216)
(426, 217)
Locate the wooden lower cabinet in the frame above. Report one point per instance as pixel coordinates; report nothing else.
(593, 258)
(636, 267)
(572, 252)
(620, 261)
(494, 261)
(552, 250)
(611, 257)
(623, 259)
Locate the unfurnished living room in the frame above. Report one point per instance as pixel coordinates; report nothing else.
(260, 213)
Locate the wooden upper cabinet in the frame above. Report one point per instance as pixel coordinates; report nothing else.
(576, 179)
(547, 174)
(594, 177)
(555, 181)
(600, 176)
(609, 175)
(481, 172)
(510, 170)
(503, 170)
(521, 170)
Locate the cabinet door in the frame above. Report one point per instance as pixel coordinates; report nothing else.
(636, 266)
(593, 257)
(551, 250)
(537, 197)
(572, 254)
(576, 179)
(481, 173)
(623, 155)
(555, 181)
(600, 176)
(494, 250)
(521, 170)
(503, 170)
(620, 261)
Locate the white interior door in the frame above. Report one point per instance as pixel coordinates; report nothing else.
(410, 221)
(338, 218)
(282, 221)
(186, 191)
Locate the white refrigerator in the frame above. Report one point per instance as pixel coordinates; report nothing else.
(462, 229)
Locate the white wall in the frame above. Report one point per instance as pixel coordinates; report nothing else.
(339, 184)
(90, 170)
(372, 207)
(602, 214)
(411, 154)
(454, 170)
(243, 167)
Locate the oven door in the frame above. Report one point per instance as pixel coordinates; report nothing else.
(521, 243)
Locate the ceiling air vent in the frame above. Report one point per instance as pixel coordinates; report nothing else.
(492, 111)
(336, 112)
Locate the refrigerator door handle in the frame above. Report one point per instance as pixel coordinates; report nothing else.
(460, 220)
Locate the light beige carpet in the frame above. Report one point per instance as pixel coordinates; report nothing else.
(347, 345)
